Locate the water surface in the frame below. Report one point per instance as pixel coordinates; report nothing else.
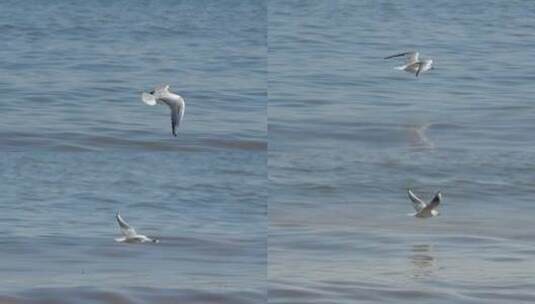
(73, 73)
(348, 135)
(57, 217)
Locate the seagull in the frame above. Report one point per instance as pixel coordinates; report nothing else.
(129, 233)
(413, 64)
(424, 210)
(173, 101)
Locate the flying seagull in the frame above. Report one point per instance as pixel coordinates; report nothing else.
(173, 101)
(413, 63)
(129, 233)
(425, 210)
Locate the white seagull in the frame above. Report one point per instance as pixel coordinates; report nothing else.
(424, 210)
(413, 64)
(173, 101)
(129, 233)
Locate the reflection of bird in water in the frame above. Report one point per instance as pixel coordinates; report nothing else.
(418, 138)
(422, 260)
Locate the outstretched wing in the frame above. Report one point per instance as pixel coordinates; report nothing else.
(420, 67)
(177, 107)
(127, 230)
(411, 56)
(397, 55)
(435, 201)
(417, 203)
(176, 118)
(174, 121)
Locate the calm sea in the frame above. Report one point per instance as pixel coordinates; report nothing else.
(77, 145)
(57, 223)
(348, 135)
(73, 73)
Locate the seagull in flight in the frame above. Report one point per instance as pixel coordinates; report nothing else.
(129, 233)
(413, 64)
(176, 103)
(424, 210)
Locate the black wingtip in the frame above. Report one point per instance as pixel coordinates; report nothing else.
(397, 55)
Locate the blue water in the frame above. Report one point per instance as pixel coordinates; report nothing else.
(73, 73)
(348, 135)
(77, 145)
(288, 179)
(57, 217)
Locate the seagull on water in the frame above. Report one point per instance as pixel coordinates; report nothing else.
(413, 63)
(176, 103)
(424, 210)
(129, 233)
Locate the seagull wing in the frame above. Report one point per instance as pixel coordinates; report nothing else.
(148, 99)
(435, 201)
(420, 67)
(181, 109)
(177, 107)
(174, 121)
(127, 230)
(397, 55)
(412, 57)
(174, 108)
(417, 203)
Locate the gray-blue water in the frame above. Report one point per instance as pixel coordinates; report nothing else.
(73, 73)
(348, 135)
(57, 218)
(77, 145)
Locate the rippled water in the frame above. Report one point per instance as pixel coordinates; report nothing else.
(348, 135)
(58, 227)
(73, 73)
(71, 82)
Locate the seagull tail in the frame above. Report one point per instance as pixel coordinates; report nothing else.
(400, 68)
